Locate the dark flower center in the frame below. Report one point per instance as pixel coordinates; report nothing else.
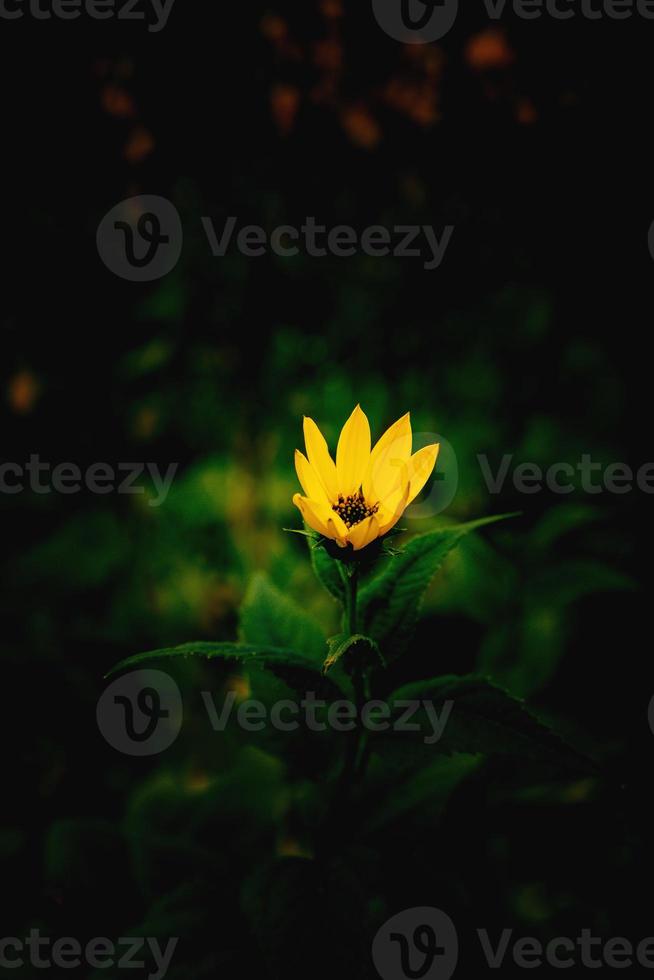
(353, 509)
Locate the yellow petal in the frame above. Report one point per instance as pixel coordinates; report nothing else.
(319, 516)
(364, 532)
(315, 515)
(393, 506)
(320, 459)
(339, 526)
(335, 532)
(353, 452)
(421, 465)
(309, 480)
(390, 452)
(388, 518)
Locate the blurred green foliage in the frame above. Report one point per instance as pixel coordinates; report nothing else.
(514, 346)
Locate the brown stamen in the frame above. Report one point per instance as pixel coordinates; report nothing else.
(354, 509)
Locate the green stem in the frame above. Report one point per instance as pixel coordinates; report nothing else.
(350, 584)
(356, 752)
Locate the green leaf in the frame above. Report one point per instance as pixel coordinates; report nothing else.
(523, 653)
(326, 570)
(271, 618)
(356, 645)
(565, 582)
(427, 790)
(561, 520)
(389, 605)
(98, 540)
(481, 718)
(245, 653)
(300, 671)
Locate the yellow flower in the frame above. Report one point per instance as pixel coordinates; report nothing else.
(364, 493)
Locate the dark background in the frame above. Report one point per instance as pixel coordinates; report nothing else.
(532, 338)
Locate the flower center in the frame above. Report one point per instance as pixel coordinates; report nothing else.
(353, 509)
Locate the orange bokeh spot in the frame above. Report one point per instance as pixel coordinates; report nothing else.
(328, 55)
(23, 391)
(362, 128)
(331, 9)
(285, 101)
(139, 145)
(487, 50)
(117, 102)
(274, 28)
(526, 112)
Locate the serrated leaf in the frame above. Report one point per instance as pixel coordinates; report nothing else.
(389, 605)
(300, 671)
(341, 644)
(243, 652)
(269, 617)
(482, 718)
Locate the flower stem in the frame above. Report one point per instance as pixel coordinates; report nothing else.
(355, 743)
(350, 583)
(355, 755)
